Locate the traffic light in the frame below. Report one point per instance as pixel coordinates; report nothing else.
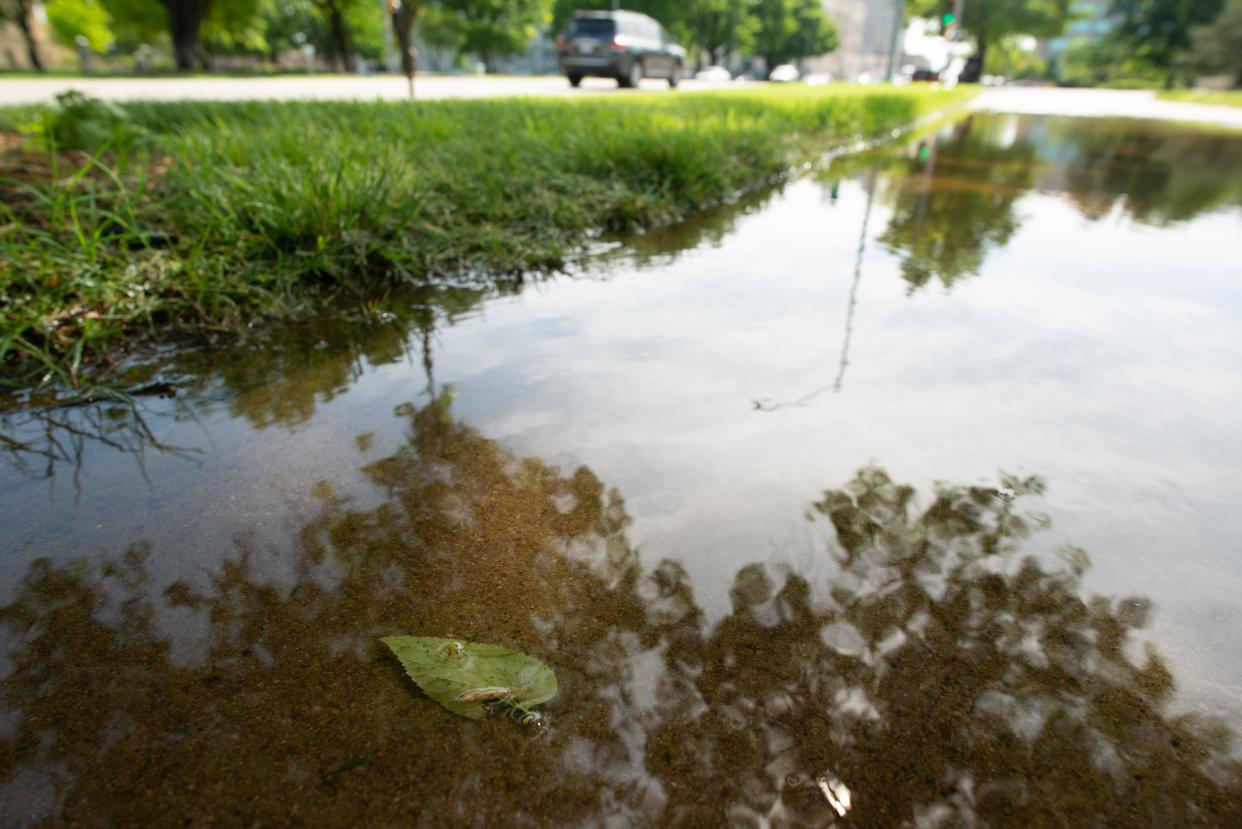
(948, 25)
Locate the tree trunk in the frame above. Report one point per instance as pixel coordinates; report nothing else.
(972, 72)
(185, 20)
(340, 38)
(403, 26)
(22, 19)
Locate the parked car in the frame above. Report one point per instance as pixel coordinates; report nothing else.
(922, 75)
(713, 73)
(785, 73)
(624, 45)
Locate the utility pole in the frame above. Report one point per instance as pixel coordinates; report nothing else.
(959, 6)
(899, 7)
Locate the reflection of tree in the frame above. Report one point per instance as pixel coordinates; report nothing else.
(290, 692)
(278, 377)
(663, 245)
(956, 201)
(932, 674)
(941, 684)
(36, 442)
(1159, 173)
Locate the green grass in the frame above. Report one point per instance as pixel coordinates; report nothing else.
(207, 216)
(1202, 96)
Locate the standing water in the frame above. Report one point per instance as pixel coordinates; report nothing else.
(904, 495)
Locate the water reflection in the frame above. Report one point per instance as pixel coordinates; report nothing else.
(955, 200)
(924, 671)
(954, 192)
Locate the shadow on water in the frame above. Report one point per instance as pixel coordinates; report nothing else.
(935, 675)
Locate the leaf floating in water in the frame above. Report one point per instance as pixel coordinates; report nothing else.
(465, 677)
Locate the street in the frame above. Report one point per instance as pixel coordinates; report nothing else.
(320, 87)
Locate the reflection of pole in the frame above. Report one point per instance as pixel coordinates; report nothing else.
(929, 169)
(849, 312)
(899, 9)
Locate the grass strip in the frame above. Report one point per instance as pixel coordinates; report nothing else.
(120, 225)
(1231, 98)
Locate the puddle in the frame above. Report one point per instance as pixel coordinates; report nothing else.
(904, 495)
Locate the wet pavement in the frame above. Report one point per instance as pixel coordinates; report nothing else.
(900, 496)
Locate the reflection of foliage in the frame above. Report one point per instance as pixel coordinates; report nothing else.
(944, 684)
(933, 673)
(956, 203)
(956, 200)
(289, 691)
(1158, 174)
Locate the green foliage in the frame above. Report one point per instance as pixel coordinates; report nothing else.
(70, 19)
(1217, 46)
(788, 29)
(713, 25)
(137, 21)
(1158, 31)
(236, 27)
(1109, 62)
(1009, 60)
(988, 21)
(456, 673)
(495, 28)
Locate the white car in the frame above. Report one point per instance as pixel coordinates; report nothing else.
(713, 73)
(785, 73)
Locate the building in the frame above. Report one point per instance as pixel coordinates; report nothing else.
(866, 28)
(1092, 23)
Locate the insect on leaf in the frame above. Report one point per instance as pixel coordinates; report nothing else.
(462, 675)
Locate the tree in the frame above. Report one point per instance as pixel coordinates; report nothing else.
(340, 52)
(1217, 46)
(987, 21)
(403, 16)
(135, 22)
(71, 19)
(788, 29)
(185, 22)
(494, 28)
(716, 26)
(1160, 30)
(18, 12)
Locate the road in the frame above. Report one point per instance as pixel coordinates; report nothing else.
(309, 87)
(1041, 100)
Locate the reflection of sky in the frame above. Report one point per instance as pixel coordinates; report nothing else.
(1102, 355)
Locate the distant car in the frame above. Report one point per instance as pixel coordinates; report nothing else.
(713, 73)
(624, 45)
(924, 75)
(785, 73)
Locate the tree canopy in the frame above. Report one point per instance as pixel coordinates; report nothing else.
(988, 22)
(789, 29)
(1159, 30)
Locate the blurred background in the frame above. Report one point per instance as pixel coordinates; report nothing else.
(1112, 43)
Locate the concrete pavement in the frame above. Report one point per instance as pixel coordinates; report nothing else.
(309, 87)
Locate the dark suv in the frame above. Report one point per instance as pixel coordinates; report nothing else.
(627, 46)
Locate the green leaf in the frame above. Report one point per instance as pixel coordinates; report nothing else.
(446, 669)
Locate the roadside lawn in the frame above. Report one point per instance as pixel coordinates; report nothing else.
(1201, 96)
(123, 225)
